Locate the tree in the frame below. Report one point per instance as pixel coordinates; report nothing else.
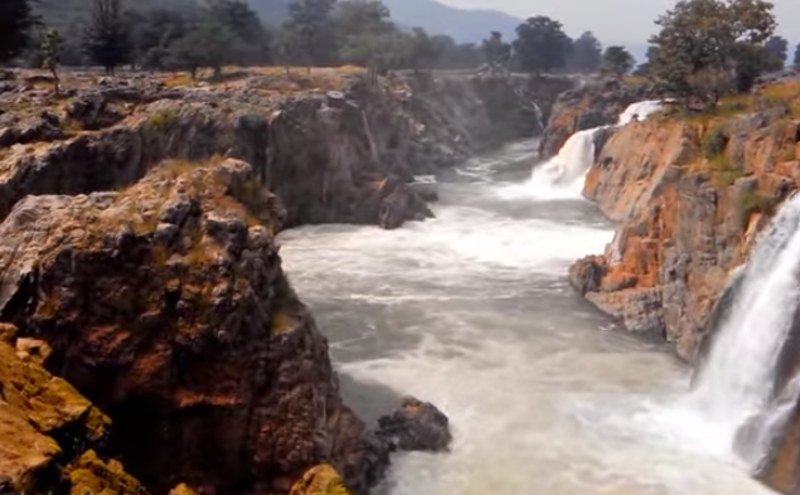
(796, 61)
(496, 51)
(107, 41)
(16, 21)
(51, 48)
(425, 53)
(208, 45)
(357, 17)
(152, 34)
(310, 32)
(776, 49)
(378, 52)
(244, 23)
(587, 53)
(617, 61)
(541, 45)
(707, 48)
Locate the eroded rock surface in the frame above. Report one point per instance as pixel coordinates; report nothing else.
(165, 304)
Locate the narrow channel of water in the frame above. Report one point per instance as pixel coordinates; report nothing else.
(473, 312)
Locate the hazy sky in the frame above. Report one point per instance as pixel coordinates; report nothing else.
(617, 21)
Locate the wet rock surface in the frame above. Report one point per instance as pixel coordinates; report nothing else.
(415, 426)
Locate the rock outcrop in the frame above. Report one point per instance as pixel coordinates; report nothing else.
(416, 426)
(48, 431)
(594, 104)
(165, 305)
(329, 148)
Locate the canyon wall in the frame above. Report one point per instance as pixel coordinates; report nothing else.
(689, 193)
(139, 269)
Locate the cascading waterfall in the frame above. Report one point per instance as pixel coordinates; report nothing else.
(563, 175)
(736, 386)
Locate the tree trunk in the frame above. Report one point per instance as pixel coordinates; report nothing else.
(56, 85)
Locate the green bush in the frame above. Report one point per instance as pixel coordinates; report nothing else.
(750, 202)
(715, 142)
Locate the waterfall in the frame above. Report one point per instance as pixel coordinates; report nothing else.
(740, 386)
(563, 175)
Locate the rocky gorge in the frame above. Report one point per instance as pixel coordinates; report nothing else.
(145, 314)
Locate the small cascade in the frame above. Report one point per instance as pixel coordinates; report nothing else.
(563, 175)
(742, 386)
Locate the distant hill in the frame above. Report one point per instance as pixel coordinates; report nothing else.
(436, 18)
(463, 25)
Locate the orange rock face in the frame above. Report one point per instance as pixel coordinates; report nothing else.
(690, 196)
(685, 218)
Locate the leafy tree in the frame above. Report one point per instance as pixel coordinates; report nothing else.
(496, 51)
(425, 52)
(617, 61)
(776, 49)
(240, 19)
(541, 45)
(208, 45)
(707, 48)
(51, 48)
(796, 60)
(310, 33)
(107, 40)
(379, 52)
(16, 21)
(587, 53)
(357, 17)
(152, 34)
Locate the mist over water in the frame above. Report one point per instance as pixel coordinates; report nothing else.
(473, 312)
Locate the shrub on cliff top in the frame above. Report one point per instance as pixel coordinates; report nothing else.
(715, 142)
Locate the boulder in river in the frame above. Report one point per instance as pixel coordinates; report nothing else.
(416, 425)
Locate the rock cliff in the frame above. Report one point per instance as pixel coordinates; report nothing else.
(689, 194)
(138, 263)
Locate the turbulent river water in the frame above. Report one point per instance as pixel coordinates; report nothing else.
(473, 312)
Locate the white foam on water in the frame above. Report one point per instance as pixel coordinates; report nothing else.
(563, 176)
(472, 312)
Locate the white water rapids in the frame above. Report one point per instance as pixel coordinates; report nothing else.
(472, 311)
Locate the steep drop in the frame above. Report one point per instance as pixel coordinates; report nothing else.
(737, 383)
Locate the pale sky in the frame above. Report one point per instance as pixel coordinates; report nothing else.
(616, 21)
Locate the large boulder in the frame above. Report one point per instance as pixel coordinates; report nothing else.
(416, 425)
(166, 305)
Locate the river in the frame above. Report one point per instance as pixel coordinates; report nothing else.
(473, 312)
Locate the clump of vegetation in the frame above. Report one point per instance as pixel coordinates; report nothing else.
(163, 120)
(715, 142)
(749, 203)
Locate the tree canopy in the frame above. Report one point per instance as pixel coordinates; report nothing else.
(776, 50)
(587, 53)
(707, 48)
(107, 41)
(617, 61)
(541, 45)
(16, 21)
(496, 51)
